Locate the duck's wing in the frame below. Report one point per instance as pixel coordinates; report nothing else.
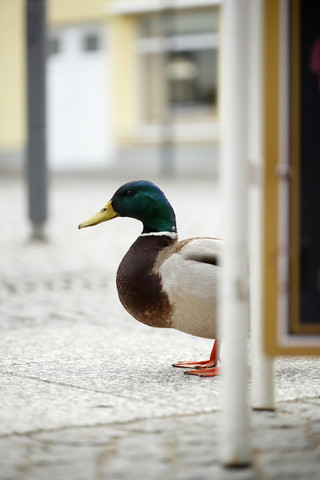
(195, 259)
(203, 250)
(190, 276)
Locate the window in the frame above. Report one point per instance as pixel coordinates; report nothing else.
(91, 42)
(192, 79)
(179, 64)
(53, 46)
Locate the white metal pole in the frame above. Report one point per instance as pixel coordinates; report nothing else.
(262, 395)
(234, 289)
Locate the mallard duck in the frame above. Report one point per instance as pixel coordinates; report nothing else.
(161, 281)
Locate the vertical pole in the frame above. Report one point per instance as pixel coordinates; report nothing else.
(234, 289)
(36, 149)
(262, 365)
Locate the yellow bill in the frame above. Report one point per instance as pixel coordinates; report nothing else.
(106, 213)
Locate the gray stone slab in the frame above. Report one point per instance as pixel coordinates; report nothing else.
(175, 447)
(30, 405)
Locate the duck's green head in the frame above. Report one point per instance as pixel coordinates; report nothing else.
(141, 200)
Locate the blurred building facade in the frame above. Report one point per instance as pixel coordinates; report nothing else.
(132, 85)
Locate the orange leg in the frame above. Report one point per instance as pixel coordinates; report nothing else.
(205, 368)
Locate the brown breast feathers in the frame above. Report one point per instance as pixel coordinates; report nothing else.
(139, 286)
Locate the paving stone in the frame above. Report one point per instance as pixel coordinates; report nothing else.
(291, 465)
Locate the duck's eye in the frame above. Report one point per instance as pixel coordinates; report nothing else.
(129, 193)
(103, 210)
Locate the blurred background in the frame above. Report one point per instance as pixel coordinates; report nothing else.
(94, 94)
(132, 86)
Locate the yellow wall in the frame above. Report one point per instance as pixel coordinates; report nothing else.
(71, 11)
(12, 75)
(124, 63)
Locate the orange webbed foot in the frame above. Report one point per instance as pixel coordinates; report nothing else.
(204, 368)
(201, 364)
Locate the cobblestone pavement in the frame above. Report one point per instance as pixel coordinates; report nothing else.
(87, 392)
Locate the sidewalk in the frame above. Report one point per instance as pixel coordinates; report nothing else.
(88, 392)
